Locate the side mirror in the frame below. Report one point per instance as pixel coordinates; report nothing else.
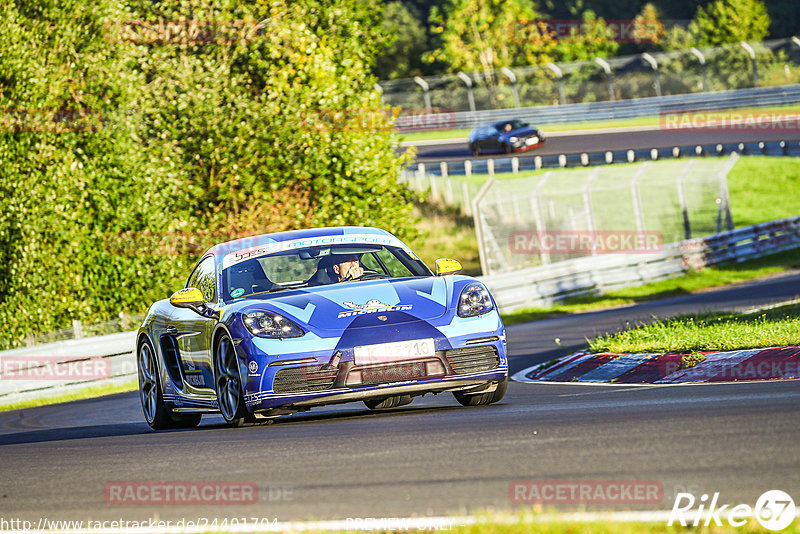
(191, 298)
(446, 266)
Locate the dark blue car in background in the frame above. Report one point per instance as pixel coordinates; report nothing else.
(504, 136)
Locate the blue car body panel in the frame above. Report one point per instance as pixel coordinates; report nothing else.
(336, 319)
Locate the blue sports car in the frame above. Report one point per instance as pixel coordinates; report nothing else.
(278, 323)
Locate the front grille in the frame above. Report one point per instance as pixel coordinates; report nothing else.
(303, 379)
(472, 359)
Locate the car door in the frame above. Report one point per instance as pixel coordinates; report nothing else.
(192, 331)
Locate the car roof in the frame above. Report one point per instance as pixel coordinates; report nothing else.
(262, 240)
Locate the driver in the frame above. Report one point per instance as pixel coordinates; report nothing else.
(348, 268)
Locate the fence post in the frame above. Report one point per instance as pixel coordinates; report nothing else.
(587, 205)
(637, 198)
(562, 96)
(515, 165)
(538, 220)
(77, 328)
(752, 54)
(724, 196)
(467, 202)
(687, 226)
(702, 59)
(654, 65)
(468, 82)
(609, 77)
(513, 79)
(476, 214)
(425, 92)
(448, 191)
(420, 176)
(467, 168)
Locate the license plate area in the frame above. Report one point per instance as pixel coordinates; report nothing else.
(396, 351)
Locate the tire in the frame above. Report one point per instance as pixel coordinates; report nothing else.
(156, 413)
(389, 402)
(481, 399)
(508, 149)
(228, 383)
(475, 149)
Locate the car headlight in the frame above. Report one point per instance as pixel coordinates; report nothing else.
(271, 325)
(513, 139)
(474, 300)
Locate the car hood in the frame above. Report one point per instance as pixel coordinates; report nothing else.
(521, 132)
(336, 306)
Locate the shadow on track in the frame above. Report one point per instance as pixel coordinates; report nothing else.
(77, 432)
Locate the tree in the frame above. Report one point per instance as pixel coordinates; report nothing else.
(483, 35)
(402, 57)
(730, 21)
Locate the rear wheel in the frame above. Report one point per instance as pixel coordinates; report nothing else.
(389, 402)
(228, 384)
(475, 149)
(156, 413)
(480, 399)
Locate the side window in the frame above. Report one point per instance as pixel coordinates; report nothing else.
(203, 278)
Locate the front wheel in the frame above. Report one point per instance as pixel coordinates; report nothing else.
(228, 383)
(480, 399)
(156, 413)
(475, 149)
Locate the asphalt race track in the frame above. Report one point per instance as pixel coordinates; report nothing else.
(599, 142)
(432, 457)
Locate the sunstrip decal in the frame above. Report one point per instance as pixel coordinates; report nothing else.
(281, 246)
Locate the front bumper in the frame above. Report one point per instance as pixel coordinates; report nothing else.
(319, 384)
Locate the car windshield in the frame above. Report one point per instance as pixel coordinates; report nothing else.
(512, 125)
(318, 266)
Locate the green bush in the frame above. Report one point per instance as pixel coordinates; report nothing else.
(135, 135)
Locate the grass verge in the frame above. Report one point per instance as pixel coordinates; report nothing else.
(88, 393)
(577, 126)
(709, 332)
(715, 276)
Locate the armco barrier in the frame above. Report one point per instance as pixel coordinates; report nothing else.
(529, 287)
(31, 373)
(625, 109)
(546, 284)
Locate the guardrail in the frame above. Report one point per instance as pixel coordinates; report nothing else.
(547, 284)
(68, 366)
(621, 109)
